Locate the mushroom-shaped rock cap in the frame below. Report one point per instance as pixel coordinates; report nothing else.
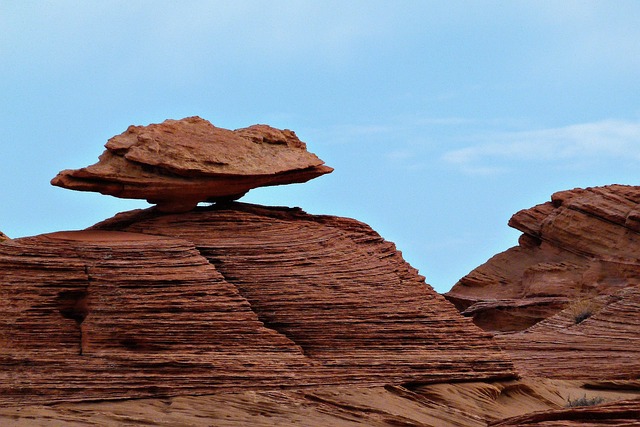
(178, 163)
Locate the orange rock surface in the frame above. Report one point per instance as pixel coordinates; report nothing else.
(178, 163)
(475, 404)
(584, 243)
(621, 413)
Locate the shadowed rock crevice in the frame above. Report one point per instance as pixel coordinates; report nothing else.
(74, 305)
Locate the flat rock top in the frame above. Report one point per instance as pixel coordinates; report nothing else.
(179, 163)
(98, 236)
(194, 147)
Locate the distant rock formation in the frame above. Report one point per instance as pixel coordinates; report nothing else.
(223, 298)
(581, 244)
(179, 163)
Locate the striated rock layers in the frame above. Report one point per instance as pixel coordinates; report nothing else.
(591, 339)
(3, 236)
(178, 163)
(228, 297)
(582, 244)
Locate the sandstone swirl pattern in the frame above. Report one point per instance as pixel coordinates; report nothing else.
(224, 298)
(336, 288)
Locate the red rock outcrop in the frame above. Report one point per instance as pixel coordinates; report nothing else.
(3, 236)
(228, 297)
(178, 163)
(584, 243)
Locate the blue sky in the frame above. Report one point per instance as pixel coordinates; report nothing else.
(442, 118)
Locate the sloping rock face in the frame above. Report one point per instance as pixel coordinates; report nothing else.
(591, 339)
(436, 405)
(622, 413)
(336, 288)
(3, 236)
(223, 298)
(581, 244)
(178, 163)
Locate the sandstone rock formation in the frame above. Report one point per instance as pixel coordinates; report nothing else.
(231, 297)
(3, 236)
(238, 314)
(89, 314)
(178, 163)
(584, 243)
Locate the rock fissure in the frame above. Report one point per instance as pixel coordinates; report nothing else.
(265, 322)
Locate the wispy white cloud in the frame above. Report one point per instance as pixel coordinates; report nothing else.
(580, 143)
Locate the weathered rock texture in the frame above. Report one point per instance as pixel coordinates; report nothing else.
(584, 243)
(591, 339)
(3, 236)
(90, 314)
(229, 297)
(621, 413)
(178, 163)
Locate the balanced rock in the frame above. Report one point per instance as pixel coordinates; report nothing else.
(179, 163)
(581, 244)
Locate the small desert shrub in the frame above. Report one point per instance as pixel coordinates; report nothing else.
(585, 401)
(583, 309)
